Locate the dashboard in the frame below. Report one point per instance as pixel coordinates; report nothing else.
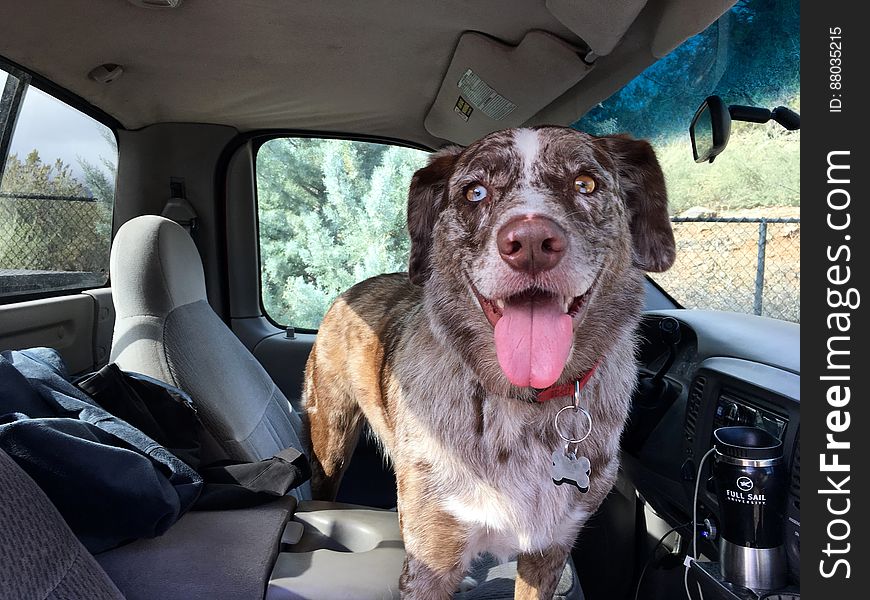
(719, 369)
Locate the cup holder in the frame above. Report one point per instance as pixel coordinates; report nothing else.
(340, 551)
(344, 530)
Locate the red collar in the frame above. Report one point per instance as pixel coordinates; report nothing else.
(567, 389)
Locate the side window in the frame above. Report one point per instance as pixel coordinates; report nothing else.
(57, 187)
(331, 213)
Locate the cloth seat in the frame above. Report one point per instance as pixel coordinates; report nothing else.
(40, 558)
(225, 554)
(165, 328)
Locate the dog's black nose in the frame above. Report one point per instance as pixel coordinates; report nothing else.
(531, 244)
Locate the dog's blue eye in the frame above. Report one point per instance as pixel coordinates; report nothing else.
(476, 193)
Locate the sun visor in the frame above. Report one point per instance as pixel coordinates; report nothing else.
(491, 85)
(601, 27)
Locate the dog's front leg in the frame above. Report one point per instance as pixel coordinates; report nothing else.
(434, 542)
(434, 545)
(429, 578)
(538, 573)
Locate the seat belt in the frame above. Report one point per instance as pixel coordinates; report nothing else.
(179, 209)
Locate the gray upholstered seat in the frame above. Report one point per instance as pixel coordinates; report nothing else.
(166, 329)
(40, 558)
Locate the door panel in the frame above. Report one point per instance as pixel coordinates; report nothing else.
(65, 323)
(284, 359)
(104, 325)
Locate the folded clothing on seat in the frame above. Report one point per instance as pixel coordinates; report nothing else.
(110, 481)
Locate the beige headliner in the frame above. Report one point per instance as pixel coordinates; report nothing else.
(368, 67)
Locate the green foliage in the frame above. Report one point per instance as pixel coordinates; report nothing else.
(332, 213)
(51, 232)
(100, 181)
(32, 176)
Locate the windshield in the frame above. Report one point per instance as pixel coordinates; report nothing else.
(737, 220)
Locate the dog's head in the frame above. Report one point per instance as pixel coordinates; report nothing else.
(536, 239)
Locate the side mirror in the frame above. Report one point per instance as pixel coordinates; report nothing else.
(710, 129)
(711, 125)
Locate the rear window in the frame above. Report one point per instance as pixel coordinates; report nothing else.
(57, 188)
(331, 214)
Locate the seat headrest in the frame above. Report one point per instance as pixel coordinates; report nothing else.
(154, 268)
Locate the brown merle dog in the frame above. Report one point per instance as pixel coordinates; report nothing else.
(526, 269)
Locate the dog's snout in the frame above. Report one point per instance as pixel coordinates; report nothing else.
(531, 243)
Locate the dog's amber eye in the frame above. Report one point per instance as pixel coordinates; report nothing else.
(476, 193)
(584, 184)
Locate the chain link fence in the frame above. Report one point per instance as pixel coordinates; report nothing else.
(747, 265)
(53, 242)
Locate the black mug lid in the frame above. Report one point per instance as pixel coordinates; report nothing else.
(750, 443)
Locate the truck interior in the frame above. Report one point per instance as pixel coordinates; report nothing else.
(186, 185)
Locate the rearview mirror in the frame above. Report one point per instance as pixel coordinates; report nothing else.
(710, 129)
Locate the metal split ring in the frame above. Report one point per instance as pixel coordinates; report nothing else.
(567, 438)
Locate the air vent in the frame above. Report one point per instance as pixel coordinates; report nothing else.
(156, 3)
(693, 405)
(795, 486)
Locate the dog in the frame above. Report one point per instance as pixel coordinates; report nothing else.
(528, 249)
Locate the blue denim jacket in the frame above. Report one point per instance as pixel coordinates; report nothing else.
(110, 481)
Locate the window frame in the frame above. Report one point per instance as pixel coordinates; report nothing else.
(62, 94)
(664, 292)
(257, 139)
(78, 103)
(11, 120)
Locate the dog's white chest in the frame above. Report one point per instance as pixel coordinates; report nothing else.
(523, 512)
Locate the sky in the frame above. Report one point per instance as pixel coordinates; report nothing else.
(59, 131)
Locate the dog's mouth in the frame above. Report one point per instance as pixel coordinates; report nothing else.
(494, 308)
(534, 333)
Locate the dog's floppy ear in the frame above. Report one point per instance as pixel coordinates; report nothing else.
(643, 188)
(425, 200)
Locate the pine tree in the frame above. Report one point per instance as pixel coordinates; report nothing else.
(46, 220)
(332, 213)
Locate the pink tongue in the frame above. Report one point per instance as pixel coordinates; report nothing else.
(532, 342)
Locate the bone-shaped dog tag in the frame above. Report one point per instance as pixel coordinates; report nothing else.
(570, 468)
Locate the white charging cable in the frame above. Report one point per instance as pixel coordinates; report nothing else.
(694, 556)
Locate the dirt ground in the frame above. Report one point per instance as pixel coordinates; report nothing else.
(716, 263)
